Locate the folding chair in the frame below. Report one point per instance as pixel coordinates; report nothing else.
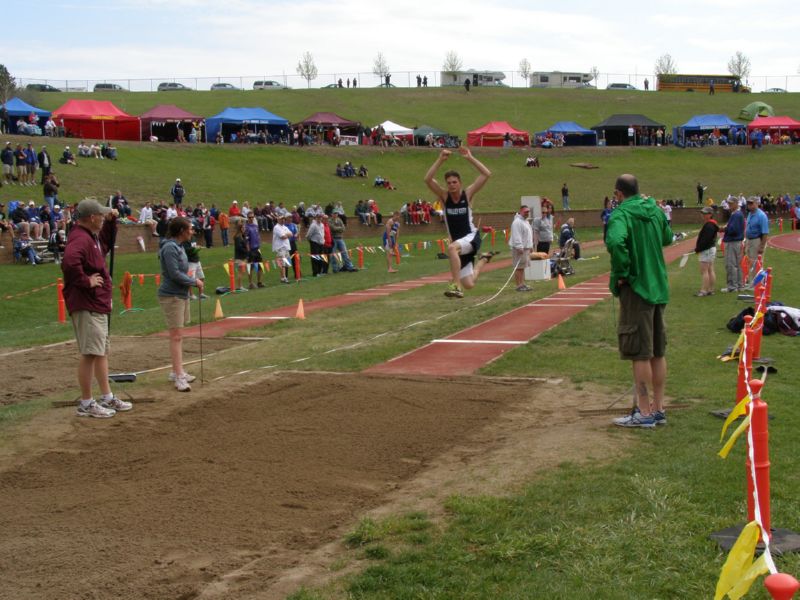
(562, 258)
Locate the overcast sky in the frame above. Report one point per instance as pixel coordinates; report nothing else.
(160, 39)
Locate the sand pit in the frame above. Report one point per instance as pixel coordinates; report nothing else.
(231, 491)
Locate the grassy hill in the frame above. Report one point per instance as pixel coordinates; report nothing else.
(257, 174)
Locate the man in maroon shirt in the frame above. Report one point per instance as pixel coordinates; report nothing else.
(87, 294)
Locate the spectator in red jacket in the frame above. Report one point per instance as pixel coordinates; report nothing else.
(234, 211)
(87, 293)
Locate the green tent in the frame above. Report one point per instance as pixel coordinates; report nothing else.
(756, 109)
(423, 130)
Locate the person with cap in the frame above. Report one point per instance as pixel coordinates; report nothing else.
(7, 160)
(521, 243)
(706, 250)
(733, 238)
(173, 294)
(756, 232)
(315, 234)
(21, 167)
(87, 294)
(34, 218)
(68, 158)
(281, 245)
(234, 211)
(637, 232)
(178, 192)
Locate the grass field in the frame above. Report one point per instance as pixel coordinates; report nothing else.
(632, 528)
(220, 174)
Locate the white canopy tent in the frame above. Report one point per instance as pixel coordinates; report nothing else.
(394, 129)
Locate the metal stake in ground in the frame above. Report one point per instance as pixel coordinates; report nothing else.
(200, 327)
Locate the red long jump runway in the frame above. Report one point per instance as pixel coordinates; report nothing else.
(214, 329)
(465, 352)
(786, 241)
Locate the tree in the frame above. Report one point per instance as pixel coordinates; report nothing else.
(380, 67)
(739, 65)
(7, 85)
(306, 68)
(665, 65)
(595, 73)
(525, 70)
(452, 65)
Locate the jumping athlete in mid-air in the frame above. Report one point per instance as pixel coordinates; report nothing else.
(465, 239)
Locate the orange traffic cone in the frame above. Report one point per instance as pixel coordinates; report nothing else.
(301, 313)
(218, 311)
(561, 284)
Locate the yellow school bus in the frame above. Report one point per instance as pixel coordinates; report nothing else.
(700, 83)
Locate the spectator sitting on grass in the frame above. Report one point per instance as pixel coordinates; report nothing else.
(120, 203)
(146, 218)
(96, 151)
(339, 170)
(375, 213)
(110, 151)
(362, 212)
(349, 170)
(362, 171)
(68, 158)
(84, 150)
(338, 209)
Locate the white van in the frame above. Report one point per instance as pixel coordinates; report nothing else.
(268, 85)
(108, 87)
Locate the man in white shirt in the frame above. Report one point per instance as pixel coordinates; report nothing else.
(281, 245)
(521, 242)
(146, 218)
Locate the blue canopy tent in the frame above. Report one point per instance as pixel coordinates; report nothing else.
(702, 124)
(233, 119)
(17, 109)
(574, 134)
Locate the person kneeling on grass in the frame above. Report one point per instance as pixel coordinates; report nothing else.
(465, 239)
(173, 295)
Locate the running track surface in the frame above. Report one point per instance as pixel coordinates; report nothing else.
(787, 241)
(468, 350)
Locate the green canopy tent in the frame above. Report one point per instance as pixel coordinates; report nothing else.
(421, 132)
(756, 109)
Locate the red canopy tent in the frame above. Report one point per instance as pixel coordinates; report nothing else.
(165, 119)
(774, 123)
(98, 119)
(493, 134)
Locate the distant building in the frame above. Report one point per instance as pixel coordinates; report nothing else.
(494, 78)
(557, 79)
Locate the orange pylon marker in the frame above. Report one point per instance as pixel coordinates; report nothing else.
(218, 311)
(561, 284)
(301, 313)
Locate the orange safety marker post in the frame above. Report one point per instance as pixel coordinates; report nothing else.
(441, 246)
(301, 313)
(361, 257)
(141, 278)
(722, 248)
(296, 259)
(493, 234)
(158, 278)
(397, 254)
(760, 433)
(768, 296)
(231, 275)
(506, 232)
(218, 311)
(745, 361)
(561, 284)
(781, 586)
(62, 306)
(780, 224)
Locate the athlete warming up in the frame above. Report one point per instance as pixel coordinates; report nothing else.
(465, 239)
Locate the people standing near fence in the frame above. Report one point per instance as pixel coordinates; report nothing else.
(637, 232)
(733, 238)
(173, 295)
(87, 294)
(756, 232)
(706, 250)
(543, 229)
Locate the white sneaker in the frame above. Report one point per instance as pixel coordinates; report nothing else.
(182, 385)
(95, 410)
(116, 404)
(189, 378)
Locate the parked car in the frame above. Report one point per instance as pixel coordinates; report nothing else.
(41, 87)
(223, 86)
(268, 85)
(330, 86)
(620, 86)
(170, 86)
(775, 91)
(108, 87)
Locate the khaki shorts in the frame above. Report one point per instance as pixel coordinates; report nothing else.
(707, 256)
(176, 311)
(642, 333)
(520, 257)
(91, 332)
